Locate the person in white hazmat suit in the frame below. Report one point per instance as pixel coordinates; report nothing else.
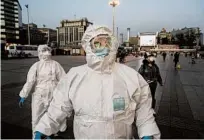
(43, 76)
(106, 96)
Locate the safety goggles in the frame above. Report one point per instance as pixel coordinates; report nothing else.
(46, 49)
(101, 41)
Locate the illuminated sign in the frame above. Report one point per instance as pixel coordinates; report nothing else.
(148, 40)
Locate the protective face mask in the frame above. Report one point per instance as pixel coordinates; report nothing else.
(46, 55)
(102, 51)
(151, 59)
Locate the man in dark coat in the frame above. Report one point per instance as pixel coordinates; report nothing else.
(150, 72)
(176, 58)
(164, 56)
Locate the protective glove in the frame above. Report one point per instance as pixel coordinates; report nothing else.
(21, 102)
(39, 135)
(147, 137)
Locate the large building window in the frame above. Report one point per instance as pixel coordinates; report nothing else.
(3, 30)
(2, 23)
(3, 36)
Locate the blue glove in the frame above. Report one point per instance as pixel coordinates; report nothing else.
(39, 135)
(21, 102)
(147, 137)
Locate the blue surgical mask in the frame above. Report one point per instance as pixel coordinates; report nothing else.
(103, 51)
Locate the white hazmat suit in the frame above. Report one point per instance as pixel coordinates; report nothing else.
(43, 76)
(106, 97)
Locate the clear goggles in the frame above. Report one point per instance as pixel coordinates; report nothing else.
(101, 41)
(46, 49)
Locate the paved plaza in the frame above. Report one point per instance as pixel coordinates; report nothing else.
(180, 102)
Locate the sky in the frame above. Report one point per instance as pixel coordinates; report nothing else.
(138, 15)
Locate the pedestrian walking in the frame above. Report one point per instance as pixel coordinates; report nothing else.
(145, 55)
(43, 76)
(164, 56)
(198, 55)
(150, 72)
(122, 56)
(176, 59)
(193, 59)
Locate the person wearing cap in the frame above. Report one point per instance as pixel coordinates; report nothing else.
(150, 72)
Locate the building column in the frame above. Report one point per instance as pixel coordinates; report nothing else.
(68, 34)
(57, 37)
(64, 36)
(78, 34)
(65, 31)
(73, 34)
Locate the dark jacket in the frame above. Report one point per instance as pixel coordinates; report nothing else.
(164, 54)
(145, 56)
(176, 57)
(150, 73)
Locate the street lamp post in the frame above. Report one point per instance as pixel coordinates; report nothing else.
(114, 3)
(28, 25)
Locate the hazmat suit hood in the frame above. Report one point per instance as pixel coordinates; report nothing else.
(101, 64)
(44, 52)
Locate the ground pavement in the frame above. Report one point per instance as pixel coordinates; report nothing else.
(15, 121)
(179, 108)
(180, 102)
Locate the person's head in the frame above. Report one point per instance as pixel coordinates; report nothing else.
(146, 55)
(100, 46)
(151, 58)
(44, 52)
(99, 41)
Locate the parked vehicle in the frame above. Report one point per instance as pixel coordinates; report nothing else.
(22, 51)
